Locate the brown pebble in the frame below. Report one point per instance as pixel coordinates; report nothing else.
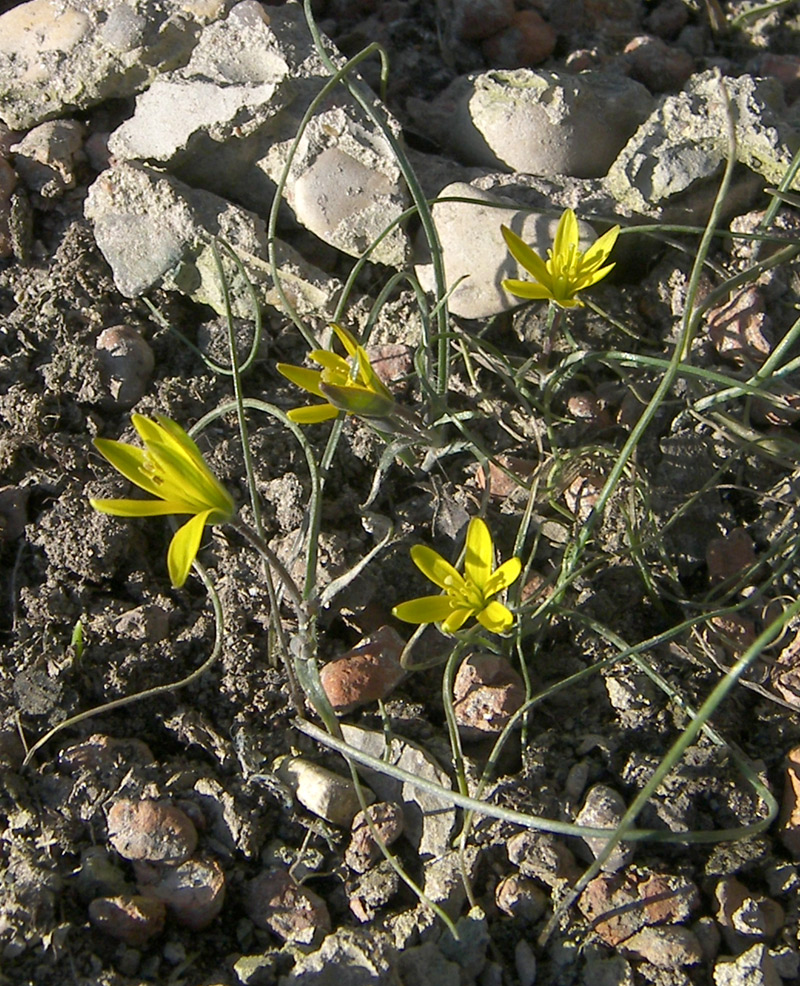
(367, 673)
(512, 479)
(520, 897)
(151, 831)
(126, 363)
(276, 903)
(528, 40)
(727, 556)
(618, 905)
(667, 19)
(589, 408)
(604, 808)
(542, 856)
(487, 691)
(363, 851)
(193, 892)
(475, 20)
(784, 68)
(133, 920)
(658, 65)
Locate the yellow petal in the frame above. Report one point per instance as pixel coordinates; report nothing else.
(479, 554)
(369, 377)
(332, 362)
(425, 609)
(496, 617)
(347, 339)
(524, 255)
(601, 248)
(358, 400)
(128, 460)
(435, 568)
(587, 280)
(503, 577)
(566, 234)
(457, 619)
(313, 414)
(301, 377)
(528, 289)
(184, 547)
(137, 508)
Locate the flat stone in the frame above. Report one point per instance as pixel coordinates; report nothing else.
(59, 57)
(156, 231)
(131, 919)
(460, 225)
(536, 122)
(347, 957)
(666, 946)
(429, 820)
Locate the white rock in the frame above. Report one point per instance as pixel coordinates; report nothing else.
(227, 122)
(46, 155)
(61, 55)
(323, 792)
(461, 226)
(752, 968)
(155, 231)
(539, 122)
(685, 140)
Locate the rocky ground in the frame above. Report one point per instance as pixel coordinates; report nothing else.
(200, 834)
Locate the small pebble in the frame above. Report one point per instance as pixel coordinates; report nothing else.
(665, 946)
(727, 556)
(367, 673)
(45, 158)
(525, 963)
(740, 329)
(542, 857)
(100, 752)
(274, 902)
(126, 364)
(752, 968)
(667, 19)
(603, 809)
(130, 919)
(13, 511)
(151, 831)
(363, 851)
(193, 892)
(98, 876)
(527, 41)
(658, 65)
(487, 691)
(371, 891)
(475, 20)
(519, 897)
(741, 912)
(321, 791)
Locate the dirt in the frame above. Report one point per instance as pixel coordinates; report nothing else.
(210, 747)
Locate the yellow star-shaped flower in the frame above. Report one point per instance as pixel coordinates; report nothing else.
(567, 270)
(467, 595)
(349, 385)
(171, 467)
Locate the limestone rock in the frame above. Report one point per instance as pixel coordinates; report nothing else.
(542, 123)
(56, 56)
(155, 231)
(684, 140)
(460, 225)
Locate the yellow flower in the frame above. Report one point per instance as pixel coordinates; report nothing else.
(567, 270)
(464, 595)
(349, 385)
(170, 467)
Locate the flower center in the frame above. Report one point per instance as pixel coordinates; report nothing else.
(470, 596)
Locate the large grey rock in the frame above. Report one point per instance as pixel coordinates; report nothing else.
(57, 56)
(228, 120)
(462, 225)
(685, 140)
(542, 123)
(155, 231)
